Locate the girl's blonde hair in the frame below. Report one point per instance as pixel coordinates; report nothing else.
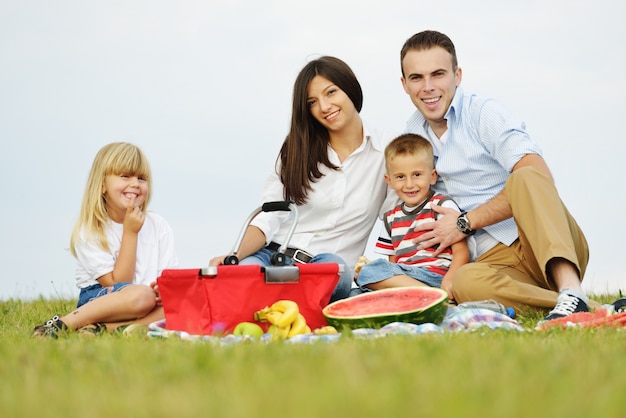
(112, 159)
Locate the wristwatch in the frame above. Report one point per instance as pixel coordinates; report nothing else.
(463, 224)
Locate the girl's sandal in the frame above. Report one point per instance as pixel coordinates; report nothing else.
(51, 329)
(93, 330)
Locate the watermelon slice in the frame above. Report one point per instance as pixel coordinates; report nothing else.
(599, 318)
(417, 305)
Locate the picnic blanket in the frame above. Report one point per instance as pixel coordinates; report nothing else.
(456, 320)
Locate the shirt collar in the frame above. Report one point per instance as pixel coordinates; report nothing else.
(417, 119)
(455, 105)
(376, 140)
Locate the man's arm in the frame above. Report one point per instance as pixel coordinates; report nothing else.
(444, 231)
(498, 208)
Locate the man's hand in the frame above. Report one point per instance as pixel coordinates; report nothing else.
(442, 232)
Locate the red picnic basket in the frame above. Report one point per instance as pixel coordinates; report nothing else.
(213, 300)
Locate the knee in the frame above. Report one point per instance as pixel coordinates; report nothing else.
(329, 258)
(465, 286)
(461, 280)
(343, 287)
(526, 175)
(141, 300)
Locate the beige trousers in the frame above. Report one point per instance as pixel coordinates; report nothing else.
(516, 275)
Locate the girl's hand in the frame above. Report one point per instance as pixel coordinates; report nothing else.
(134, 217)
(155, 289)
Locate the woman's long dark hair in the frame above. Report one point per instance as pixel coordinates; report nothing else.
(306, 145)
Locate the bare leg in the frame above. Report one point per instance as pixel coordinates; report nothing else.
(401, 280)
(564, 274)
(155, 315)
(129, 303)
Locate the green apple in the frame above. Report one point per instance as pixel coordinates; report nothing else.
(248, 328)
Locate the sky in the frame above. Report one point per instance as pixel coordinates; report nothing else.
(204, 88)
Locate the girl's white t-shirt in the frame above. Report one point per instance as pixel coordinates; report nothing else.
(155, 252)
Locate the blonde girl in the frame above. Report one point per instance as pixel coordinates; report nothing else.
(120, 248)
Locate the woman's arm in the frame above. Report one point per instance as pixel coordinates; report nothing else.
(253, 241)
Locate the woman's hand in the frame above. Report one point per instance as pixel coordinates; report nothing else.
(217, 261)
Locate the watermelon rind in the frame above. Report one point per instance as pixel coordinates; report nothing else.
(433, 312)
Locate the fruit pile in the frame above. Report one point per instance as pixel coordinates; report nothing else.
(286, 321)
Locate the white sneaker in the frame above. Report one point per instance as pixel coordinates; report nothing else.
(566, 305)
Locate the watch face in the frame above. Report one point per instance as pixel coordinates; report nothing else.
(463, 224)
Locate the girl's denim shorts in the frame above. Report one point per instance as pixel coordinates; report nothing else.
(96, 290)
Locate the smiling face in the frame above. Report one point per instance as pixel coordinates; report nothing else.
(430, 80)
(330, 105)
(120, 190)
(411, 176)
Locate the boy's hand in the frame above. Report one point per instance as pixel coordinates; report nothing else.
(446, 284)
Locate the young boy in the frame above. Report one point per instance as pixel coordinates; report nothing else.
(411, 172)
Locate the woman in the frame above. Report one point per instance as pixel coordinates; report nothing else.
(332, 167)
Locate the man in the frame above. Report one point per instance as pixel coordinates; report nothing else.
(529, 249)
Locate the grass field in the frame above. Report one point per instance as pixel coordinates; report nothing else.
(560, 373)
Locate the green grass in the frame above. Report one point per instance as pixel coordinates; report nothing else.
(560, 373)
